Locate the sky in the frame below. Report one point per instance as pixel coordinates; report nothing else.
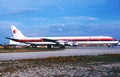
(60, 18)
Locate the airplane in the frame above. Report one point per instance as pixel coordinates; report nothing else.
(19, 38)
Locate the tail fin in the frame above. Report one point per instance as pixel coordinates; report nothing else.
(17, 33)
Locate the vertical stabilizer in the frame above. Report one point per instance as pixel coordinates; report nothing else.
(17, 33)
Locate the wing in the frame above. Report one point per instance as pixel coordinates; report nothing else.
(49, 40)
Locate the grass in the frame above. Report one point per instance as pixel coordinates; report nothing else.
(105, 58)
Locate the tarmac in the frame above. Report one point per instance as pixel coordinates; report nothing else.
(79, 51)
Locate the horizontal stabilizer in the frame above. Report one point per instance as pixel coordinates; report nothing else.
(12, 38)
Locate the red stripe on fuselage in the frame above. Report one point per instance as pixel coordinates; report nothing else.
(90, 39)
(30, 40)
(75, 39)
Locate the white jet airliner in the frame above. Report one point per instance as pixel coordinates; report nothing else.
(20, 38)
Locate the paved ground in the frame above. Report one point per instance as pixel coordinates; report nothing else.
(66, 52)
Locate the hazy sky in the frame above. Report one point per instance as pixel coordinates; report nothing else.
(60, 17)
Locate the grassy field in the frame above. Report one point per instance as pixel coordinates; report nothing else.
(107, 65)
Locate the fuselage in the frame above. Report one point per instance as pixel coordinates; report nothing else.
(79, 40)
